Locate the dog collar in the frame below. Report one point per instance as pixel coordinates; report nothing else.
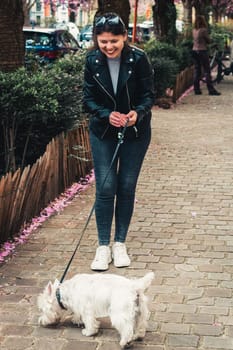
(58, 296)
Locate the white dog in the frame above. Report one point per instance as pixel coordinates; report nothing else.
(92, 296)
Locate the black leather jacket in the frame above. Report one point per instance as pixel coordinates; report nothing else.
(134, 91)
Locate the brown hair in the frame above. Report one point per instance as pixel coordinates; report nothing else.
(200, 22)
(109, 22)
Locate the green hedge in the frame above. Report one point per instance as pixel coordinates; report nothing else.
(167, 61)
(35, 105)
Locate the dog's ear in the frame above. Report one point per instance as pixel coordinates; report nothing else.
(49, 288)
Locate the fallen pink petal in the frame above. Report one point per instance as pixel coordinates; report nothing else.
(53, 208)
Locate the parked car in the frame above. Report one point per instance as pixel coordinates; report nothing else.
(144, 32)
(86, 36)
(70, 26)
(147, 30)
(49, 43)
(138, 35)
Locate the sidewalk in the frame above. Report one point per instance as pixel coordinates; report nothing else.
(182, 229)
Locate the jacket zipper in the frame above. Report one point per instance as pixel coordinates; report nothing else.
(127, 90)
(114, 102)
(106, 92)
(129, 105)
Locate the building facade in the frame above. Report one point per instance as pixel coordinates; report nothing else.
(46, 12)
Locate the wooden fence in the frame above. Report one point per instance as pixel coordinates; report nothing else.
(183, 81)
(26, 192)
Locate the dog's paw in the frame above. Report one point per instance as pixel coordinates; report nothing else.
(84, 332)
(89, 332)
(77, 322)
(79, 325)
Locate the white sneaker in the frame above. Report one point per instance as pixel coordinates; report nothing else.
(102, 258)
(119, 254)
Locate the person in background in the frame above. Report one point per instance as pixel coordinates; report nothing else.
(118, 92)
(200, 55)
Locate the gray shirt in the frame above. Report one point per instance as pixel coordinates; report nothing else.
(114, 68)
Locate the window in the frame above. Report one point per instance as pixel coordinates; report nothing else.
(38, 5)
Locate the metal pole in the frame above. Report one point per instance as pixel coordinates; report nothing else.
(135, 22)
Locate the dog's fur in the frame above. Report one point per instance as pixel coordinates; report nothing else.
(92, 296)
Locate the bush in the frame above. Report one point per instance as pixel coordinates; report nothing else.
(36, 105)
(68, 75)
(165, 72)
(185, 48)
(220, 37)
(25, 100)
(165, 59)
(156, 48)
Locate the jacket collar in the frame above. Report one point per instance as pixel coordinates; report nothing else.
(102, 73)
(126, 55)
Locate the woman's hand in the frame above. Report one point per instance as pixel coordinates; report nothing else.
(132, 117)
(115, 119)
(119, 119)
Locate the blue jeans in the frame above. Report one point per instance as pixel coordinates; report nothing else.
(117, 195)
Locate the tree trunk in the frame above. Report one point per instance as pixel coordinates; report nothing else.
(11, 35)
(215, 15)
(188, 13)
(27, 5)
(164, 16)
(122, 7)
(201, 7)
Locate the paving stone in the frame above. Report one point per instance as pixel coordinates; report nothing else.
(72, 345)
(175, 328)
(183, 340)
(16, 343)
(49, 344)
(22, 330)
(219, 292)
(214, 330)
(229, 331)
(218, 343)
(199, 319)
(182, 308)
(109, 346)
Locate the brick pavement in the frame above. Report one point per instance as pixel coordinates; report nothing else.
(182, 229)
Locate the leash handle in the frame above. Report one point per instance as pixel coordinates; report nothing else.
(121, 134)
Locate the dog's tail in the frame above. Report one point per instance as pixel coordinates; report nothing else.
(144, 282)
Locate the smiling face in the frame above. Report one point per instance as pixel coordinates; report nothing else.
(111, 45)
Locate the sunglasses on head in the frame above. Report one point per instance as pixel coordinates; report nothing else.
(111, 21)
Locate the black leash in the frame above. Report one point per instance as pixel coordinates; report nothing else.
(120, 136)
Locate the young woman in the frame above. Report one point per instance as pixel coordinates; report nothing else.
(201, 57)
(118, 92)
